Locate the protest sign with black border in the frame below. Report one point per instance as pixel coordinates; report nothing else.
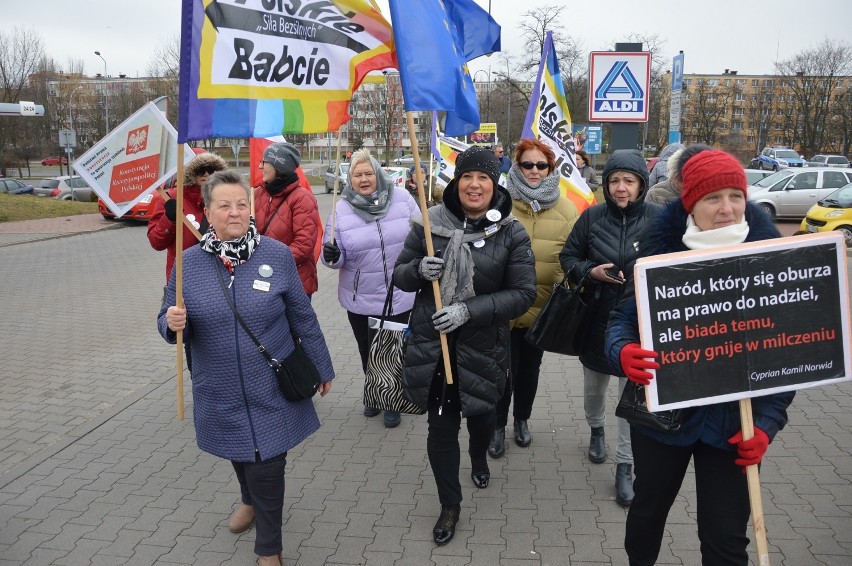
(745, 321)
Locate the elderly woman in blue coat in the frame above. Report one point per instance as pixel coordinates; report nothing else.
(239, 412)
(371, 223)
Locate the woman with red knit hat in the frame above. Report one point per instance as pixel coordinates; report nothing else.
(712, 211)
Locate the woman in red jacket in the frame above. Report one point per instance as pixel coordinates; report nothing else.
(287, 211)
(162, 226)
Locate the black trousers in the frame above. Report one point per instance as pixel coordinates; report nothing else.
(442, 441)
(262, 487)
(360, 329)
(721, 493)
(523, 379)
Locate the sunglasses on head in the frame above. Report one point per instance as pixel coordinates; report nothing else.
(541, 165)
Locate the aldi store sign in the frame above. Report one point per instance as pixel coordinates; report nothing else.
(618, 86)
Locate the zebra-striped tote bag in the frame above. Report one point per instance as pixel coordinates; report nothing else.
(383, 382)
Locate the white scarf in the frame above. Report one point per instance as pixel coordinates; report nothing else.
(697, 239)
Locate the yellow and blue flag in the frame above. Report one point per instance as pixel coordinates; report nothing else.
(434, 41)
(549, 121)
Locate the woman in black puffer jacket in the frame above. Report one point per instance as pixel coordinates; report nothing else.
(486, 270)
(607, 236)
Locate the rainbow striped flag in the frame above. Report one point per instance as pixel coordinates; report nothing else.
(549, 121)
(251, 71)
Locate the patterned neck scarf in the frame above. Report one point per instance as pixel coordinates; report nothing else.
(232, 252)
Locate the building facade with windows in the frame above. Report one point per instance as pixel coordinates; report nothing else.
(745, 113)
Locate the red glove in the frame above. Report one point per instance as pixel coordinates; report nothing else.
(750, 451)
(634, 362)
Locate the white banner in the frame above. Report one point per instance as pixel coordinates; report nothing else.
(132, 160)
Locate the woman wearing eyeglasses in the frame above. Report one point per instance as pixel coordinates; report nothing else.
(548, 218)
(371, 224)
(601, 250)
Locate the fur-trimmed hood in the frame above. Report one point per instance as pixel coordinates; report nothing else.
(201, 161)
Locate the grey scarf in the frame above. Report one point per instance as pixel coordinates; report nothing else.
(546, 193)
(457, 282)
(371, 207)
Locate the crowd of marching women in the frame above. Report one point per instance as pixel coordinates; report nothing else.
(467, 279)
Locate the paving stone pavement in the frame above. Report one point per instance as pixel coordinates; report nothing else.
(96, 469)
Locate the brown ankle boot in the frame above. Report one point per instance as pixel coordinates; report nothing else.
(241, 519)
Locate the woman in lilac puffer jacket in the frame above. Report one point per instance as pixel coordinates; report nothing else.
(371, 223)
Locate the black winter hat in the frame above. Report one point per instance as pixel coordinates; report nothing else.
(283, 156)
(630, 160)
(478, 158)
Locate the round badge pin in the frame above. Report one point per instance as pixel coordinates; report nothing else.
(265, 270)
(478, 243)
(493, 215)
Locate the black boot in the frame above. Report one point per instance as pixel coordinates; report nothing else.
(523, 438)
(445, 528)
(479, 472)
(624, 484)
(597, 446)
(498, 442)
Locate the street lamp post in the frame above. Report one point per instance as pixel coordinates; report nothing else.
(71, 125)
(106, 95)
(487, 91)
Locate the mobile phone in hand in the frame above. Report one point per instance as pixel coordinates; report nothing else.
(612, 273)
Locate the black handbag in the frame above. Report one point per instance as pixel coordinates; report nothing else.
(297, 375)
(557, 326)
(633, 408)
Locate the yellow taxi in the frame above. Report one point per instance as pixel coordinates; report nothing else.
(833, 212)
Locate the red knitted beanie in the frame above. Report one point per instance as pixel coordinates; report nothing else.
(707, 172)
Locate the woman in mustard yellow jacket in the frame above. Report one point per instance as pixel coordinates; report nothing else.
(547, 216)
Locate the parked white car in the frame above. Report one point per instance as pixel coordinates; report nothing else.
(789, 193)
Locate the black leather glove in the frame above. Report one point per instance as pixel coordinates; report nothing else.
(170, 207)
(330, 252)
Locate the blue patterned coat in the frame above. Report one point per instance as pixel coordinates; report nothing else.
(238, 409)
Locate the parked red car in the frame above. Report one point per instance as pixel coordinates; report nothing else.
(54, 161)
(141, 211)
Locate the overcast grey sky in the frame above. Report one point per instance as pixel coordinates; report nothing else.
(714, 36)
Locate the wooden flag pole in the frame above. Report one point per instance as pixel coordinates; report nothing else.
(427, 233)
(753, 476)
(334, 183)
(179, 280)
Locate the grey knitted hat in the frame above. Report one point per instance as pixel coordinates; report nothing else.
(284, 157)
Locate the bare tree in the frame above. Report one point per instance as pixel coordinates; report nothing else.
(706, 109)
(164, 67)
(21, 49)
(813, 77)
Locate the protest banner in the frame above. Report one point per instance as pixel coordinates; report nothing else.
(258, 69)
(740, 322)
(132, 160)
(549, 121)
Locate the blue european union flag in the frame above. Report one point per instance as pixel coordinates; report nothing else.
(434, 41)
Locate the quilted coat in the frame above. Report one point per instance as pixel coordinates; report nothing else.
(296, 223)
(606, 233)
(238, 409)
(368, 252)
(548, 230)
(504, 285)
(712, 424)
